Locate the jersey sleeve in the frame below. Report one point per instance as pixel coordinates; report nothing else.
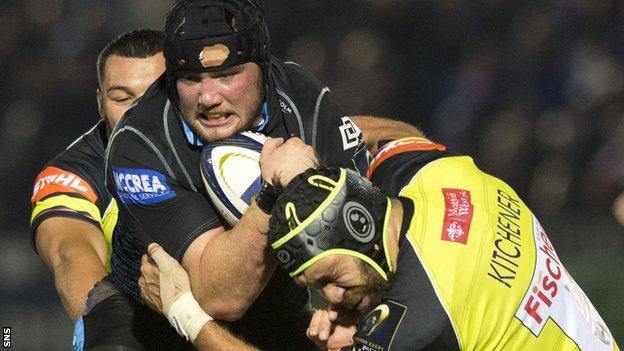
(332, 134)
(153, 204)
(60, 192)
(398, 161)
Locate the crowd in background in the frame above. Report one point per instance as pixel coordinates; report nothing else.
(534, 90)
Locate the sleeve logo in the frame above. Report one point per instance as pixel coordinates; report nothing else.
(141, 186)
(56, 180)
(458, 212)
(350, 133)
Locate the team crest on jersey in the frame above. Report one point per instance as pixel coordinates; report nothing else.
(458, 212)
(141, 186)
(350, 133)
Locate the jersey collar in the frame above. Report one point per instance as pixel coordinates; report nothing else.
(408, 214)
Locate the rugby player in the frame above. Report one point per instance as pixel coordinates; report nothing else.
(73, 215)
(220, 79)
(454, 260)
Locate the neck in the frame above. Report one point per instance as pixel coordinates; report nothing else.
(394, 230)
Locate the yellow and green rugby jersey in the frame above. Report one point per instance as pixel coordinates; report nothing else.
(72, 185)
(476, 270)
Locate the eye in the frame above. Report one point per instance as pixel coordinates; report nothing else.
(121, 100)
(323, 281)
(225, 75)
(190, 77)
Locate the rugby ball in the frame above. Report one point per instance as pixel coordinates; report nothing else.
(230, 170)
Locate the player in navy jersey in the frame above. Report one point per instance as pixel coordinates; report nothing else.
(220, 79)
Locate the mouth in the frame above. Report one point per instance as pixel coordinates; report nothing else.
(214, 119)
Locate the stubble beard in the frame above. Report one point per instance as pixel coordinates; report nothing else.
(375, 287)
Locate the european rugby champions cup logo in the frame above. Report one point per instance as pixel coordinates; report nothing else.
(375, 318)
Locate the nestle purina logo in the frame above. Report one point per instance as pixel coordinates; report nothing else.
(458, 212)
(141, 186)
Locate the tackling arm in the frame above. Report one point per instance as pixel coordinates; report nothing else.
(376, 129)
(75, 251)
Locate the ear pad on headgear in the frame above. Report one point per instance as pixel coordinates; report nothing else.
(326, 211)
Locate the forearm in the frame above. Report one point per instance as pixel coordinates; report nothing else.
(234, 267)
(75, 251)
(74, 276)
(376, 129)
(215, 338)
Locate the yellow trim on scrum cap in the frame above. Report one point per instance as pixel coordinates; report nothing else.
(340, 251)
(290, 207)
(312, 179)
(312, 217)
(384, 235)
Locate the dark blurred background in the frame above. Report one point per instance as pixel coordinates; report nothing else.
(532, 89)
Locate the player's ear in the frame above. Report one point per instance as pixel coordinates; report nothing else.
(99, 97)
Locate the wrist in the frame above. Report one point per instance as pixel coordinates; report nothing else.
(187, 316)
(267, 196)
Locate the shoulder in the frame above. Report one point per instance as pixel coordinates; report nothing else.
(290, 77)
(397, 162)
(72, 184)
(79, 169)
(144, 123)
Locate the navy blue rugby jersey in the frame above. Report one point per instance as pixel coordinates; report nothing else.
(153, 171)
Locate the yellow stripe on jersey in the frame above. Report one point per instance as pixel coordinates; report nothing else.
(72, 203)
(501, 285)
(107, 221)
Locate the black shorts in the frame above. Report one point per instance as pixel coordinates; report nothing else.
(115, 321)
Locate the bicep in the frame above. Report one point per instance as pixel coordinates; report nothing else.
(192, 257)
(156, 205)
(175, 223)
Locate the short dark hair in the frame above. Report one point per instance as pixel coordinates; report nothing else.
(138, 43)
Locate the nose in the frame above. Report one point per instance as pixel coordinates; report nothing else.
(210, 93)
(333, 293)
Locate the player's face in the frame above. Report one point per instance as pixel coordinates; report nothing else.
(125, 79)
(345, 281)
(217, 105)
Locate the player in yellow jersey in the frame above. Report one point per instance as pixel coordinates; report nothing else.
(454, 260)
